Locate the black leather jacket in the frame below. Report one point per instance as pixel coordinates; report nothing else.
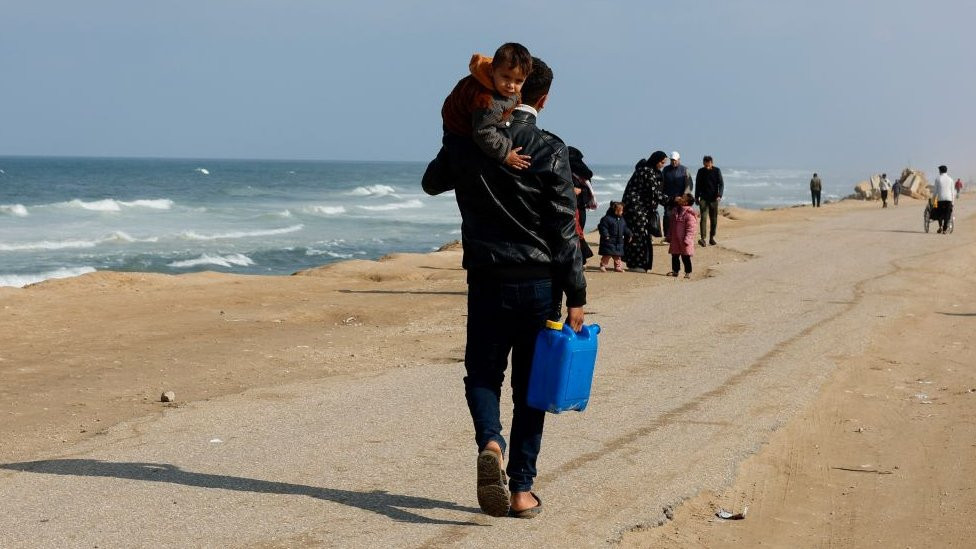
(516, 224)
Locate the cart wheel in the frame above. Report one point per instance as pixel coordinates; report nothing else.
(926, 219)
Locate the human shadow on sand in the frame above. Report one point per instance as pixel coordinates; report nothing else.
(377, 501)
(957, 314)
(400, 292)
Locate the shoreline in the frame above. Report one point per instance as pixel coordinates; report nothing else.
(67, 273)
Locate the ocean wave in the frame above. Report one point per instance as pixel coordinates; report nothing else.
(21, 280)
(204, 171)
(395, 206)
(337, 255)
(121, 236)
(325, 210)
(598, 178)
(155, 204)
(191, 235)
(16, 210)
(117, 236)
(373, 190)
(49, 245)
(112, 205)
(239, 260)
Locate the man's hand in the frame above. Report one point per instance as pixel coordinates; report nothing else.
(516, 160)
(574, 315)
(719, 199)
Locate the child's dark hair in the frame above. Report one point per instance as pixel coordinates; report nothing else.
(689, 198)
(513, 55)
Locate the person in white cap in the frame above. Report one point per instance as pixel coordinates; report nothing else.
(676, 182)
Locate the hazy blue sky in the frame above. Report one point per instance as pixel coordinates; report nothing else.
(837, 86)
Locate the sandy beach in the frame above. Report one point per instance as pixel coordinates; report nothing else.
(816, 373)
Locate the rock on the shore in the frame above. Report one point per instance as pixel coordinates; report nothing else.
(913, 184)
(168, 396)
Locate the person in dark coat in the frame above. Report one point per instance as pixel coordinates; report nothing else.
(642, 196)
(584, 196)
(582, 174)
(676, 181)
(613, 235)
(709, 188)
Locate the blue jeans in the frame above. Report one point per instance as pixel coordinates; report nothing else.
(505, 317)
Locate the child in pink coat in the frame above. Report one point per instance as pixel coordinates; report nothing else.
(684, 222)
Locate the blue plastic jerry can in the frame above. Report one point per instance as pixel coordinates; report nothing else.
(562, 368)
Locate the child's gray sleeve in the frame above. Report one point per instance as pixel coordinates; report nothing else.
(486, 124)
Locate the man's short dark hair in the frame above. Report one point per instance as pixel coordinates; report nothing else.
(706, 159)
(538, 82)
(513, 55)
(942, 169)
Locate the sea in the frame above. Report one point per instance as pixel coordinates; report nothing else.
(64, 217)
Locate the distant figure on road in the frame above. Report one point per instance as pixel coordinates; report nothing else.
(614, 234)
(676, 181)
(642, 196)
(885, 185)
(958, 188)
(895, 191)
(943, 193)
(815, 187)
(709, 188)
(682, 243)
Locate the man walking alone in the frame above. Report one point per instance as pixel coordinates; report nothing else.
(815, 187)
(709, 188)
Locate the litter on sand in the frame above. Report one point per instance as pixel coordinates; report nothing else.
(723, 514)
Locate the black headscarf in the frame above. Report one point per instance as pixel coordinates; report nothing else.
(577, 165)
(656, 157)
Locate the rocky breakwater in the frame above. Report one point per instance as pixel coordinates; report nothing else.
(913, 184)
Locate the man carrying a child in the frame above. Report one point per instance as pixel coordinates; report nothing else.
(521, 253)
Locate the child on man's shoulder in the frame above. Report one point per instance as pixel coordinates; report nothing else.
(481, 102)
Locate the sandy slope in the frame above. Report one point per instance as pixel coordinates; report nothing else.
(351, 428)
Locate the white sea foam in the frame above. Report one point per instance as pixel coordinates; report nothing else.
(117, 236)
(21, 280)
(395, 206)
(231, 260)
(16, 210)
(325, 210)
(112, 205)
(48, 245)
(373, 190)
(107, 205)
(337, 255)
(599, 178)
(191, 235)
(204, 171)
(155, 204)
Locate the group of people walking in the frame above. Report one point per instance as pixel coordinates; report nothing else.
(630, 225)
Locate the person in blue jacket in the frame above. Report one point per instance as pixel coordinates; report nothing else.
(613, 235)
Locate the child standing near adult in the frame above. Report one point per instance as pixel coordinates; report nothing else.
(681, 246)
(481, 102)
(613, 235)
